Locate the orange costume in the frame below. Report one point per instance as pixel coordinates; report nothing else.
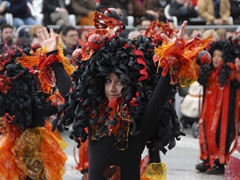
(28, 147)
(21, 151)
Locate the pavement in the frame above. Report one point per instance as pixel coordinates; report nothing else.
(180, 161)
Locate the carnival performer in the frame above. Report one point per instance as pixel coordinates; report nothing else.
(154, 144)
(28, 79)
(218, 123)
(119, 95)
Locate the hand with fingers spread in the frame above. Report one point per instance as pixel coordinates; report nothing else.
(178, 57)
(49, 40)
(175, 35)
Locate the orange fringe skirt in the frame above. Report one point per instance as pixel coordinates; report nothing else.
(35, 153)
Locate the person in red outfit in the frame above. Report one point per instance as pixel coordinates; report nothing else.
(218, 123)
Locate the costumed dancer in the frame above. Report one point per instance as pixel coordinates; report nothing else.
(119, 95)
(168, 113)
(218, 123)
(28, 147)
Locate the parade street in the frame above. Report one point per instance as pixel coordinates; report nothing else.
(180, 161)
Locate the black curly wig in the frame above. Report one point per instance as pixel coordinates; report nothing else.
(130, 60)
(22, 99)
(230, 51)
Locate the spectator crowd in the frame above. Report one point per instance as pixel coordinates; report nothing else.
(137, 14)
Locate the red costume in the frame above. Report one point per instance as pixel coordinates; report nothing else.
(218, 123)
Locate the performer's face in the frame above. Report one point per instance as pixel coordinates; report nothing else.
(217, 58)
(113, 86)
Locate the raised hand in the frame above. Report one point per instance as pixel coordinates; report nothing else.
(46, 39)
(175, 35)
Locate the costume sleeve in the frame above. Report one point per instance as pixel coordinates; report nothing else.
(63, 81)
(155, 106)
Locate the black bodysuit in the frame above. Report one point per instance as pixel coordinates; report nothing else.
(63, 82)
(104, 153)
